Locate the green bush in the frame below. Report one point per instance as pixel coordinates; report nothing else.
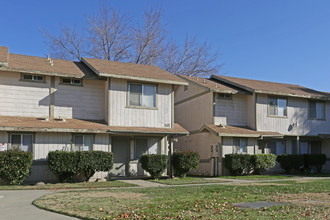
(15, 166)
(183, 162)
(314, 160)
(154, 164)
(290, 162)
(67, 165)
(63, 164)
(90, 162)
(238, 164)
(261, 162)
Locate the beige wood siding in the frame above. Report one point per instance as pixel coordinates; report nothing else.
(194, 113)
(251, 111)
(82, 102)
(46, 142)
(23, 98)
(101, 142)
(181, 94)
(122, 115)
(297, 111)
(235, 110)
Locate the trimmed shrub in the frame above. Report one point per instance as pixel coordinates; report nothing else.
(90, 162)
(63, 164)
(183, 162)
(238, 164)
(154, 164)
(290, 162)
(15, 166)
(261, 162)
(314, 161)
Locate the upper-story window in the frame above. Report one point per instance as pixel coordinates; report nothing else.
(32, 77)
(316, 109)
(71, 81)
(277, 107)
(142, 95)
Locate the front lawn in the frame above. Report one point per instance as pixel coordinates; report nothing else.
(187, 180)
(302, 200)
(259, 177)
(91, 185)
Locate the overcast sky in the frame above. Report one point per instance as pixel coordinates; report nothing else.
(273, 40)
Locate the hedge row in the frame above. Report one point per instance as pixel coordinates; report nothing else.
(244, 164)
(67, 165)
(183, 162)
(304, 162)
(15, 166)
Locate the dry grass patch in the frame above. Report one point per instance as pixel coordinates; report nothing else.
(306, 198)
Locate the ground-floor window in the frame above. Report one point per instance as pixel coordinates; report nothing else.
(276, 147)
(21, 141)
(147, 146)
(83, 142)
(310, 147)
(240, 145)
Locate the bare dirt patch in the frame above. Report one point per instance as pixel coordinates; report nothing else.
(259, 184)
(306, 198)
(304, 181)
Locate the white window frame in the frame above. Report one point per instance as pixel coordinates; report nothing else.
(286, 107)
(21, 134)
(72, 83)
(142, 95)
(81, 148)
(34, 77)
(240, 148)
(309, 111)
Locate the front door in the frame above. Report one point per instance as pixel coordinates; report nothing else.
(121, 156)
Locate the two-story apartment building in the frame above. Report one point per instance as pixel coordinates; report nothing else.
(50, 104)
(232, 115)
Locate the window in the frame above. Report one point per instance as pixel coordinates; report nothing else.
(276, 147)
(310, 147)
(21, 141)
(142, 95)
(240, 145)
(71, 81)
(224, 96)
(316, 110)
(35, 78)
(146, 146)
(277, 107)
(185, 88)
(83, 143)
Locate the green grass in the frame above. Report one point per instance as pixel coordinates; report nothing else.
(189, 202)
(187, 180)
(91, 185)
(259, 177)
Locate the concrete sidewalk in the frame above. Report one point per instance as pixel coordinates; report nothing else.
(17, 204)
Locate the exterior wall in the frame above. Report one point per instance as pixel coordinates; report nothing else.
(181, 94)
(82, 102)
(235, 110)
(297, 111)
(122, 115)
(251, 111)
(228, 146)
(200, 143)
(23, 98)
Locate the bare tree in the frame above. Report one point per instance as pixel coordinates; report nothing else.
(193, 59)
(148, 41)
(109, 35)
(69, 44)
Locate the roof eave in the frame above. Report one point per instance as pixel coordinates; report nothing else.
(164, 81)
(292, 95)
(231, 83)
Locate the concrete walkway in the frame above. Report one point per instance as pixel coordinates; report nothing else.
(17, 204)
